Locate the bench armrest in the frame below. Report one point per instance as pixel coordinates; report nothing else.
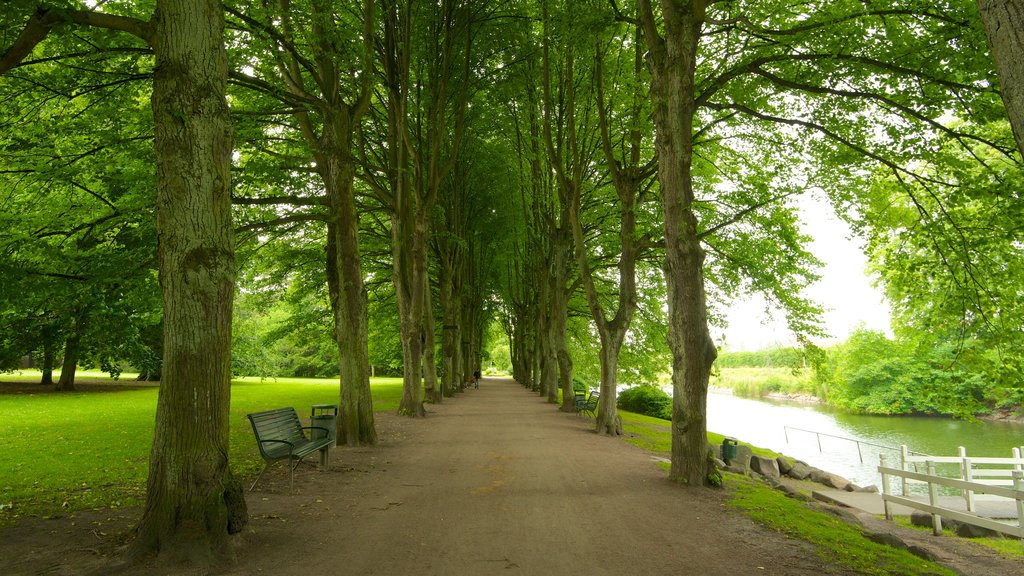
(326, 431)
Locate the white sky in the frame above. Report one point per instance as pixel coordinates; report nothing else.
(844, 290)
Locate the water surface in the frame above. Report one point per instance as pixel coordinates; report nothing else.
(763, 423)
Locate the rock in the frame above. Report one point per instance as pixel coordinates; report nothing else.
(799, 471)
(965, 530)
(872, 489)
(828, 479)
(922, 552)
(742, 460)
(790, 492)
(844, 514)
(766, 467)
(785, 464)
(887, 539)
(918, 518)
(735, 470)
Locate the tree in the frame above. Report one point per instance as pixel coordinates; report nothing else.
(629, 172)
(311, 80)
(837, 73)
(1004, 25)
(192, 502)
(77, 229)
(426, 74)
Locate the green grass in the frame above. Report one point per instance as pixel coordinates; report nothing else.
(1006, 546)
(71, 451)
(834, 540)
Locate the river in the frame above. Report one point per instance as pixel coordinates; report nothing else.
(764, 423)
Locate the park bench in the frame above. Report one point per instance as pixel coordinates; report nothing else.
(588, 405)
(280, 436)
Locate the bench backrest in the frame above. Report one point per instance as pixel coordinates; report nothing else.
(277, 424)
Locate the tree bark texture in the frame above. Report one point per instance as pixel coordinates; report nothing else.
(69, 364)
(1004, 26)
(49, 357)
(672, 61)
(189, 489)
(336, 165)
(430, 384)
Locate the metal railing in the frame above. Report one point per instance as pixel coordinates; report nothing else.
(860, 453)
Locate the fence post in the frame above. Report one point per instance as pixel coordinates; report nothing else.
(1018, 484)
(933, 498)
(966, 476)
(904, 453)
(885, 487)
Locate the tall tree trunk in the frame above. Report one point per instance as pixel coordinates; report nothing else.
(69, 365)
(1004, 26)
(672, 62)
(449, 332)
(560, 349)
(608, 421)
(192, 502)
(430, 384)
(336, 165)
(49, 358)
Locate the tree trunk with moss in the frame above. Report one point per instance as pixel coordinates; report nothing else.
(672, 61)
(192, 501)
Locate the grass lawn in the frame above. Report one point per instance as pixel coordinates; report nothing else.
(836, 541)
(70, 451)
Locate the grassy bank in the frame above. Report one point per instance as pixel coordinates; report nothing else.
(72, 451)
(835, 541)
(758, 382)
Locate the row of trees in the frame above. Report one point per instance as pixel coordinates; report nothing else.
(543, 160)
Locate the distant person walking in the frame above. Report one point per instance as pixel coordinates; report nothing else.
(476, 379)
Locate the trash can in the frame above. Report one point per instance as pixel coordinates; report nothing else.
(325, 416)
(729, 449)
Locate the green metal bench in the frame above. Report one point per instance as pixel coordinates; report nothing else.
(280, 436)
(589, 405)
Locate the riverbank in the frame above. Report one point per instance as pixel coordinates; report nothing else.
(798, 386)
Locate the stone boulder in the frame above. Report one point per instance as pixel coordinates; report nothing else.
(870, 489)
(799, 471)
(785, 465)
(918, 518)
(767, 467)
(965, 530)
(886, 539)
(828, 479)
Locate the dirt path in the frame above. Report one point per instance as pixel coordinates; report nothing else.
(494, 481)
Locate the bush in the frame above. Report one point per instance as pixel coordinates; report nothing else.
(646, 399)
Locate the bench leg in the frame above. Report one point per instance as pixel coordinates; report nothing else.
(251, 488)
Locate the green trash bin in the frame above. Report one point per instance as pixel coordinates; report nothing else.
(325, 416)
(729, 449)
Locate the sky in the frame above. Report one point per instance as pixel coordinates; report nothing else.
(844, 290)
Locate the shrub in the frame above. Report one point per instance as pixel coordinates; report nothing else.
(646, 399)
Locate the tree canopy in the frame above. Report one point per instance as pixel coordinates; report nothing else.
(599, 178)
